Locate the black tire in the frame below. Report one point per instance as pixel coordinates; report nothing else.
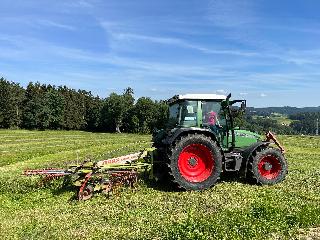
(267, 166)
(205, 159)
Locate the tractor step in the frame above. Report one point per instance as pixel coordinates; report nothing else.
(233, 162)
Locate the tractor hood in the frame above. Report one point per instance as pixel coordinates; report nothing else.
(245, 138)
(246, 133)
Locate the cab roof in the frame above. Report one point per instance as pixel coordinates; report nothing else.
(203, 96)
(196, 97)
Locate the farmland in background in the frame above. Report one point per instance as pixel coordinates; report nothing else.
(232, 209)
(281, 119)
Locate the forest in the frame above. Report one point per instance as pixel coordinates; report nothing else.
(41, 106)
(45, 106)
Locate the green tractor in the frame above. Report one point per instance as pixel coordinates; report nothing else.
(201, 141)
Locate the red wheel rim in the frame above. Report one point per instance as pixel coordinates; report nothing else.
(269, 167)
(195, 163)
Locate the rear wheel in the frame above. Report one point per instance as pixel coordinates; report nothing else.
(195, 162)
(268, 166)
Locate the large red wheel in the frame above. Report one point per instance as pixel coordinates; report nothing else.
(195, 162)
(268, 166)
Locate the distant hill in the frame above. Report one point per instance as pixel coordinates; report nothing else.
(282, 110)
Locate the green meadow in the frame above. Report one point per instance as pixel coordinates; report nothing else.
(232, 209)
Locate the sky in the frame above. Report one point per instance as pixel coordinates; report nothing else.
(265, 51)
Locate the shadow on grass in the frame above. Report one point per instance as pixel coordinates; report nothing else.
(59, 190)
(233, 177)
(166, 185)
(163, 185)
(61, 186)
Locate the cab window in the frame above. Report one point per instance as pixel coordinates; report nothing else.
(188, 113)
(211, 113)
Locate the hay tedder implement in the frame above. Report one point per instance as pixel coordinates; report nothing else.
(199, 143)
(102, 176)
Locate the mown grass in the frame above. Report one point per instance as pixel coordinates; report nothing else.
(230, 210)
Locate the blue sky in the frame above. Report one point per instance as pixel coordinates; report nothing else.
(267, 51)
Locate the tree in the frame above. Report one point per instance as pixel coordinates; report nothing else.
(54, 103)
(11, 98)
(35, 110)
(74, 108)
(162, 114)
(115, 108)
(145, 110)
(305, 123)
(93, 106)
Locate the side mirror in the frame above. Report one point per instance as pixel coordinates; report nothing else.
(225, 103)
(243, 105)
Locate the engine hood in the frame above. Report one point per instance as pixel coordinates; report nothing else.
(245, 138)
(248, 134)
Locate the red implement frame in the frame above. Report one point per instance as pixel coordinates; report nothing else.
(270, 136)
(86, 179)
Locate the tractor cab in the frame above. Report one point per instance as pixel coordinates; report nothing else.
(193, 110)
(213, 112)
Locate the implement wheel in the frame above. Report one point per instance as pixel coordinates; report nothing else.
(87, 193)
(195, 162)
(268, 166)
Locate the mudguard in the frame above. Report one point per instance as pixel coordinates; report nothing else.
(179, 131)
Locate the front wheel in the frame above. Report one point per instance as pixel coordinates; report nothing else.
(268, 166)
(195, 162)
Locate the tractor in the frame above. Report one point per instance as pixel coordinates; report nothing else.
(201, 141)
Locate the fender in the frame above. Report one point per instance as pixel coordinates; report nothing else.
(172, 136)
(247, 153)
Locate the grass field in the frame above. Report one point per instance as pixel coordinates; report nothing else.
(280, 118)
(230, 210)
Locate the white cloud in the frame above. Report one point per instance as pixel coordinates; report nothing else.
(263, 95)
(120, 33)
(49, 23)
(221, 91)
(243, 93)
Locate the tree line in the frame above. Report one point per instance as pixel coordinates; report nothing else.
(42, 106)
(305, 122)
(286, 110)
(301, 123)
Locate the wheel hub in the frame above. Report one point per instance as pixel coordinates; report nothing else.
(267, 166)
(192, 161)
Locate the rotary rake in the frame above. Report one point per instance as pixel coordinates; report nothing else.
(104, 176)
